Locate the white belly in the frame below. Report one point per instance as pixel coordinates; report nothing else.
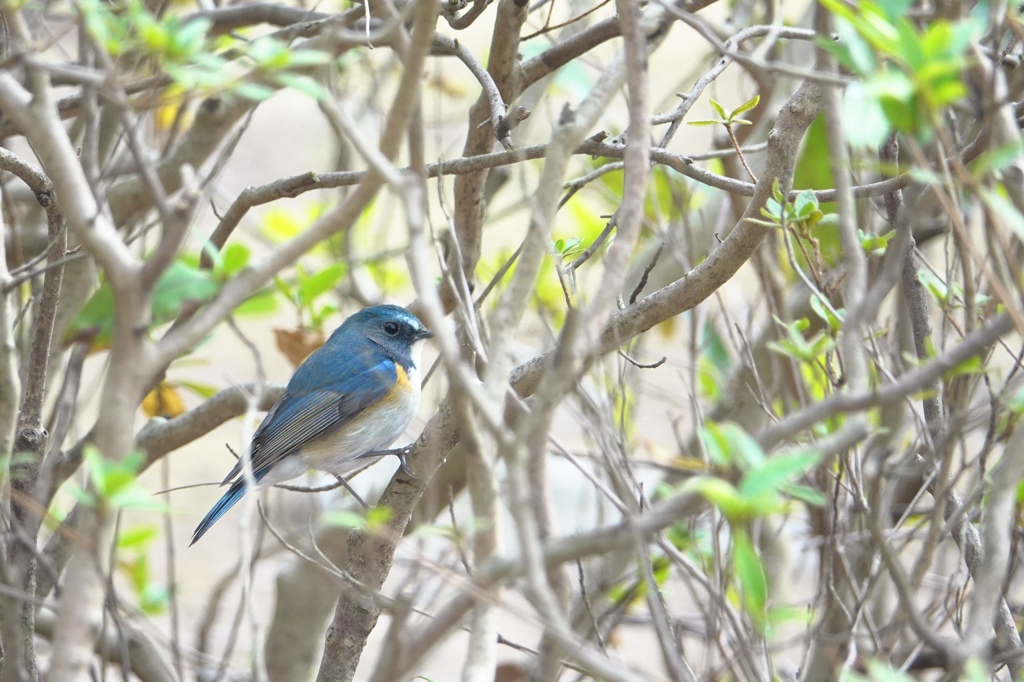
(341, 451)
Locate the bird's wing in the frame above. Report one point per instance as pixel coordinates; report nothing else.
(296, 419)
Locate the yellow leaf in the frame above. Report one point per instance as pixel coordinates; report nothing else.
(163, 401)
(167, 111)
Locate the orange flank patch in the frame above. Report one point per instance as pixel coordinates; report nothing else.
(402, 380)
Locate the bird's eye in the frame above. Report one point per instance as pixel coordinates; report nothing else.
(391, 328)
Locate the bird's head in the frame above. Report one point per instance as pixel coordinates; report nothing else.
(389, 326)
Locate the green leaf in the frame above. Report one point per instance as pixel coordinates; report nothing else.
(750, 575)
(972, 365)
(269, 54)
(188, 39)
(136, 537)
(873, 126)
(116, 483)
(1005, 210)
(721, 494)
(895, 9)
(805, 204)
(935, 286)
(314, 286)
(728, 444)
(860, 56)
(713, 347)
(257, 92)
(804, 494)
(344, 518)
(835, 323)
(263, 302)
(302, 83)
(568, 246)
(1015, 403)
(235, 257)
(719, 109)
(909, 46)
(154, 599)
(777, 470)
(181, 284)
(211, 62)
(154, 37)
(95, 321)
(746, 106)
(378, 516)
(309, 57)
(703, 123)
(202, 390)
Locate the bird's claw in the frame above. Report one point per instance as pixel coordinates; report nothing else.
(403, 454)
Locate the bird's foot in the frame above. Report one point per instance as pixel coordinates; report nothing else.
(401, 453)
(403, 462)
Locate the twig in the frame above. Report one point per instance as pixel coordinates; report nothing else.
(646, 274)
(739, 151)
(548, 27)
(889, 394)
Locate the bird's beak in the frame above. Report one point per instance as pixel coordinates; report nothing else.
(424, 334)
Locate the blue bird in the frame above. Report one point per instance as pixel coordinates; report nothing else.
(351, 398)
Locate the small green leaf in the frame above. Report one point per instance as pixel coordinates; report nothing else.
(235, 257)
(181, 284)
(860, 56)
(750, 575)
(257, 92)
(804, 494)
(314, 286)
(302, 83)
(1015, 403)
(935, 286)
(136, 537)
(569, 245)
(189, 38)
(721, 494)
(154, 599)
(972, 365)
(727, 444)
(263, 302)
(344, 518)
(269, 54)
(211, 62)
(378, 516)
(834, 322)
(719, 109)
(873, 126)
(805, 204)
(116, 483)
(713, 347)
(202, 390)
(746, 106)
(309, 57)
(1005, 210)
(777, 470)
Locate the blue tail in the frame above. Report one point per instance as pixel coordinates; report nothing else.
(233, 495)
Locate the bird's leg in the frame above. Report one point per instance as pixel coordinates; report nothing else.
(402, 455)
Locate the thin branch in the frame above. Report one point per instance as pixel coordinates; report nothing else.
(889, 394)
(499, 121)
